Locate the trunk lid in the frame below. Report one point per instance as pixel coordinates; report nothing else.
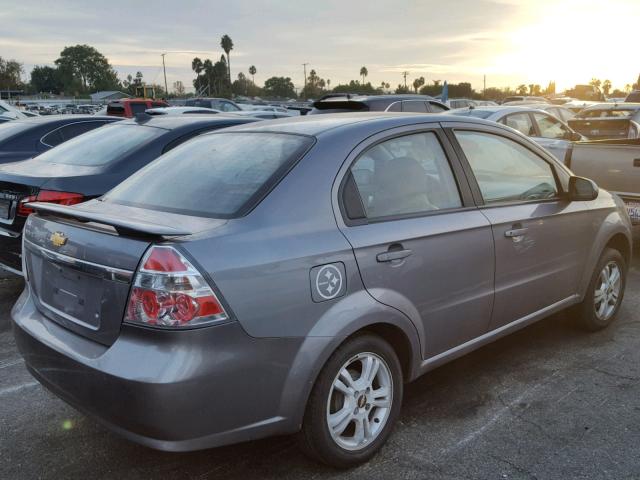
(80, 261)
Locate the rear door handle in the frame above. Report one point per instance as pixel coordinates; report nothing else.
(516, 232)
(393, 255)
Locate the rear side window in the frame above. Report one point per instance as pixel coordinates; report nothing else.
(219, 176)
(505, 170)
(405, 175)
(102, 146)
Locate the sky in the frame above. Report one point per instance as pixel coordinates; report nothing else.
(511, 42)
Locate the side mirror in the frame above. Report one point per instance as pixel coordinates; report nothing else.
(575, 137)
(582, 189)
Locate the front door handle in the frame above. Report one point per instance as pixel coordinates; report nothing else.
(393, 255)
(516, 232)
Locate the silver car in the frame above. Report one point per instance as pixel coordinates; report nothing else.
(546, 129)
(290, 276)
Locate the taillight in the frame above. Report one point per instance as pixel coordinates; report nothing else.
(169, 292)
(50, 196)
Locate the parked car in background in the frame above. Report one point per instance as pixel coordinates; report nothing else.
(576, 106)
(461, 103)
(221, 104)
(87, 167)
(26, 138)
(338, 102)
(524, 98)
(293, 275)
(633, 97)
(9, 112)
(181, 111)
(130, 107)
(485, 103)
(608, 121)
(613, 165)
(557, 111)
(265, 114)
(545, 129)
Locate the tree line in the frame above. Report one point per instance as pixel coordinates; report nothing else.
(81, 69)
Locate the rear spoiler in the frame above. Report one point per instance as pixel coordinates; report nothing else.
(122, 225)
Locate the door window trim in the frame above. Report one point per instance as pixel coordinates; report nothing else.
(450, 130)
(104, 122)
(457, 171)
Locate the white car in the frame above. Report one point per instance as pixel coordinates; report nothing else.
(543, 128)
(8, 111)
(558, 111)
(181, 111)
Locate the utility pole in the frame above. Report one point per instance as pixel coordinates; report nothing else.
(484, 90)
(405, 74)
(164, 69)
(304, 65)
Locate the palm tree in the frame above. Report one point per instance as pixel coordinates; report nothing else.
(606, 87)
(328, 84)
(227, 45)
(363, 73)
(417, 83)
(252, 72)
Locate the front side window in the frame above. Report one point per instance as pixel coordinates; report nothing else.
(505, 170)
(550, 127)
(520, 122)
(229, 107)
(405, 175)
(436, 108)
(138, 107)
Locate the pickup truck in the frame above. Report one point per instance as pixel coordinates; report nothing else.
(608, 120)
(614, 165)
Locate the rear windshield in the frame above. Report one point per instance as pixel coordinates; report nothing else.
(471, 112)
(102, 145)
(221, 175)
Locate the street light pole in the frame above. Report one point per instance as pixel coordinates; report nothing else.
(164, 69)
(304, 65)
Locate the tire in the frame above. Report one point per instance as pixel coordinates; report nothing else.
(591, 315)
(351, 411)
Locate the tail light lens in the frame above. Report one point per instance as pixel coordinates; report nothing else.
(168, 292)
(50, 196)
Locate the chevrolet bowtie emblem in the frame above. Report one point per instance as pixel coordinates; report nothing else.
(58, 239)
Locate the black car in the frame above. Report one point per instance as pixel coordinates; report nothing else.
(88, 167)
(338, 102)
(25, 138)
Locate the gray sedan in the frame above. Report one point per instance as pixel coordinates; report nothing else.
(539, 124)
(290, 276)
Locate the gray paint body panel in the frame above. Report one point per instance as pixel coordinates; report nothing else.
(162, 388)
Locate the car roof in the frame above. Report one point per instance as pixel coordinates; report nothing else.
(171, 122)
(314, 125)
(62, 118)
(614, 106)
(497, 109)
(339, 97)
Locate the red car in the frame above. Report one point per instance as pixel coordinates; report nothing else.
(129, 107)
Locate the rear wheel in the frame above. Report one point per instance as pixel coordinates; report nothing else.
(354, 403)
(605, 292)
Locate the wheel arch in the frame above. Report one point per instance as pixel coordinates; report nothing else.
(314, 352)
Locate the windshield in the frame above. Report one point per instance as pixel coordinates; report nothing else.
(11, 128)
(219, 175)
(102, 145)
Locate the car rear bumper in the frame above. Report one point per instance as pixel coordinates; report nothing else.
(173, 391)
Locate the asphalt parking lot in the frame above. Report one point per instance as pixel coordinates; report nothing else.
(548, 402)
